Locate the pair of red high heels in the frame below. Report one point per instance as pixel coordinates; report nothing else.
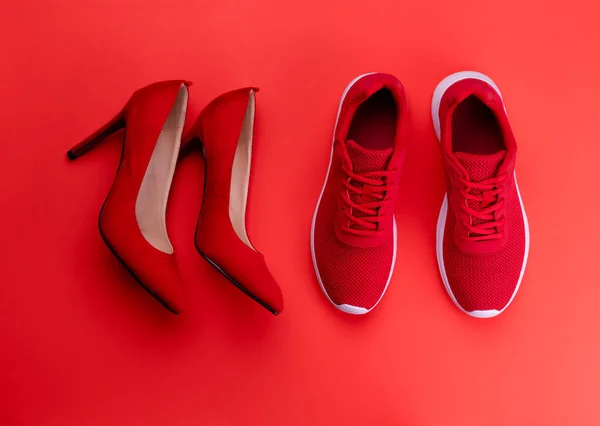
(132, 220)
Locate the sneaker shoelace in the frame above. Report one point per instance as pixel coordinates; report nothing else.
(364, 195)
(481, 202)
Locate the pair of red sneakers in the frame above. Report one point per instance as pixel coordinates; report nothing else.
(482, 232)
(133, 218)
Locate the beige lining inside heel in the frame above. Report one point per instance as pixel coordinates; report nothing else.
(240, 174)
(151, 203)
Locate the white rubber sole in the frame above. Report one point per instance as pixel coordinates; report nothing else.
(441, 223)
(349, 309)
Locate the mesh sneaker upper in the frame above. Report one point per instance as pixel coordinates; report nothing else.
(487, 280)
(351, 275)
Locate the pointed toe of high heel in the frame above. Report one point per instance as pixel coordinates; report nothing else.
(245, 270)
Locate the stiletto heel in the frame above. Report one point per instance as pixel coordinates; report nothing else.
(225, 131)
(132, 221)
(89, 143)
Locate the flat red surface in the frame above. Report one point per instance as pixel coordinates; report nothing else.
(81, 343)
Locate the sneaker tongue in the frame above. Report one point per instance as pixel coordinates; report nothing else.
(367, 160)
(481, 167)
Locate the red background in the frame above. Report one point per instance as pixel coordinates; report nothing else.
(82, 344)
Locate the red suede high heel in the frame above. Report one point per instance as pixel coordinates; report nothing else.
(132, 221)
(225, 130)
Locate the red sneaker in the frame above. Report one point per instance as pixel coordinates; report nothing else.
(353, 236)
(482, 230)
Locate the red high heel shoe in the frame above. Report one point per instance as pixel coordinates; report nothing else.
(132, 221)
(225, 131)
